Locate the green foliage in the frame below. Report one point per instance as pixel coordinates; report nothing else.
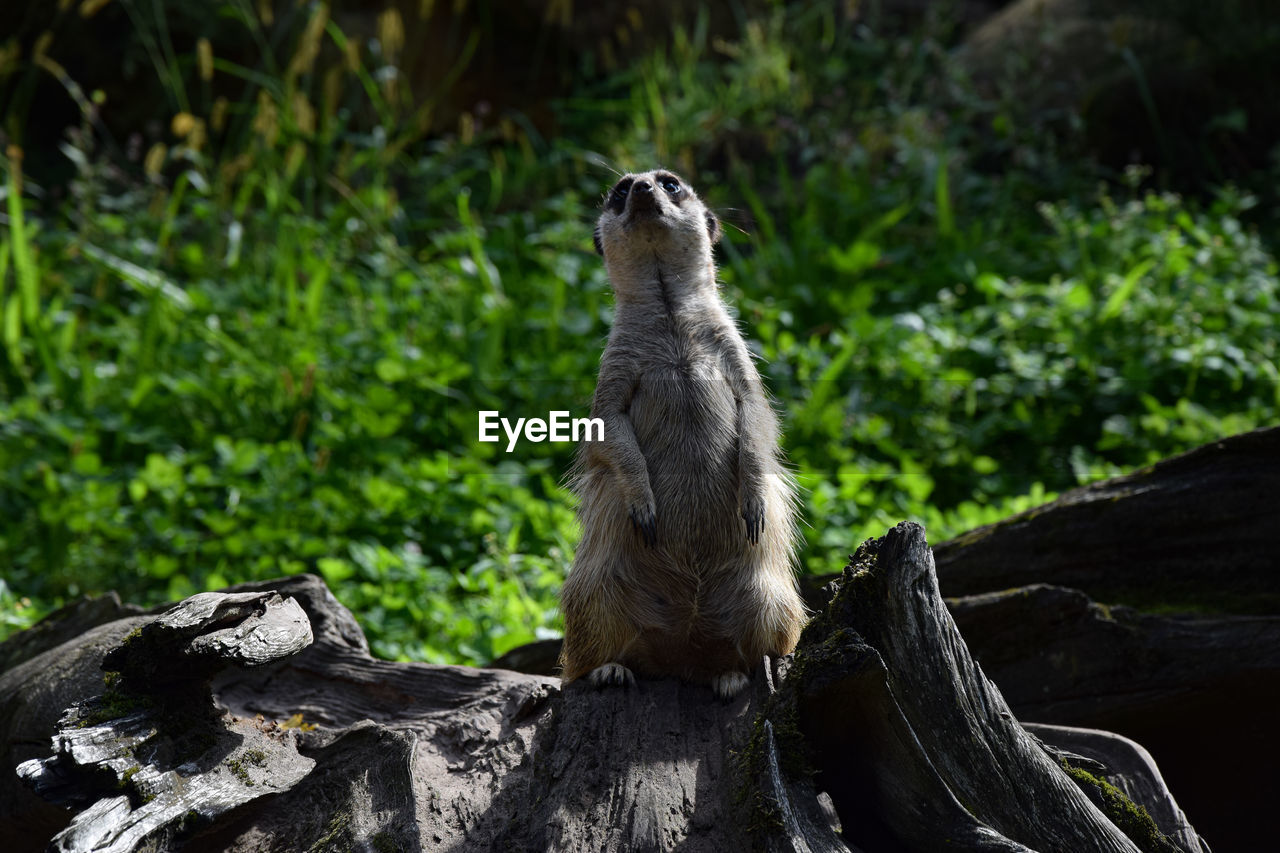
(266, 355)
(292, 414)
(1144, 329)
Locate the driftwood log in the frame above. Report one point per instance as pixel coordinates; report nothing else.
(1197, 532)
(1195, 540)
(879, 734)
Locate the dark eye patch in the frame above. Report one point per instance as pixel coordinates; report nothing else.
(671, 184)
(616, 201)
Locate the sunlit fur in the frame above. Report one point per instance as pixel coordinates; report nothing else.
(690, 450)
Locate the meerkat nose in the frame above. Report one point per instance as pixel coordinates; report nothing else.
(642, 200)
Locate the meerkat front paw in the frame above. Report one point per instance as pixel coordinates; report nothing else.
(644, 520)
(726, 685)
(753, 515)
(611, 674)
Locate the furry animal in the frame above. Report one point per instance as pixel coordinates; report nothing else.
(685, 566)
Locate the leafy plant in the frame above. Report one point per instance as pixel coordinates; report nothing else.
(264, 351)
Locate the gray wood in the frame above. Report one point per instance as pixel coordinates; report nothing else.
(931, 717)
(1061, 658)
(1130, 768)
(151, 753)
(1199, 531)
(66, 623)
(880, 725)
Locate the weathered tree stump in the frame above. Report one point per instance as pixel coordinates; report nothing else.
(880, 734)
(126, 758)
(931, 724)
(1200, 531)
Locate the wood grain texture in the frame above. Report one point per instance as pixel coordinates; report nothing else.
(880, 735)
(1199, 531)
(945, 728)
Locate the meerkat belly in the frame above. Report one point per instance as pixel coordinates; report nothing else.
(685, 418)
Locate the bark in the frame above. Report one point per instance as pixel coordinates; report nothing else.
(1200, 531)
(1061, 658)
(67, 623)
(1126, 765)
(934, 712)
(1166, 681)
(880, 725)
(1196, 539)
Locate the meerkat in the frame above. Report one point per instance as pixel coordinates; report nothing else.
(688, 514)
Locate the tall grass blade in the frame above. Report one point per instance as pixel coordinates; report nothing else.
(144, 280)
(942, 200)
(316, 287)
(1116, 302)
(24, 267)
(10, 313)
(13, 331)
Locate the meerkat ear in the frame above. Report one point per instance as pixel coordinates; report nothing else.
(595, 236)
(713, 228)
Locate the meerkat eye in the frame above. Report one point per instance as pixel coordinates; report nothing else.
(671, 185)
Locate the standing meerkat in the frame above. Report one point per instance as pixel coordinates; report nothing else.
(685, 566)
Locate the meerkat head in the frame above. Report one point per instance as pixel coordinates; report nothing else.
(655, 219)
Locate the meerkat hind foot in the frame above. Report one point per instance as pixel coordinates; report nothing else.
(614, 674)
(726, 685)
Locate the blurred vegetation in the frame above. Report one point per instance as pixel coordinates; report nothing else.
(258, 345)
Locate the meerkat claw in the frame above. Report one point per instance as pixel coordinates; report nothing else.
(754, 517)
(611, 674)
(726, 685)
(645, 525)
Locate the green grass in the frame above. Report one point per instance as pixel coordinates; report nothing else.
(267, 355)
